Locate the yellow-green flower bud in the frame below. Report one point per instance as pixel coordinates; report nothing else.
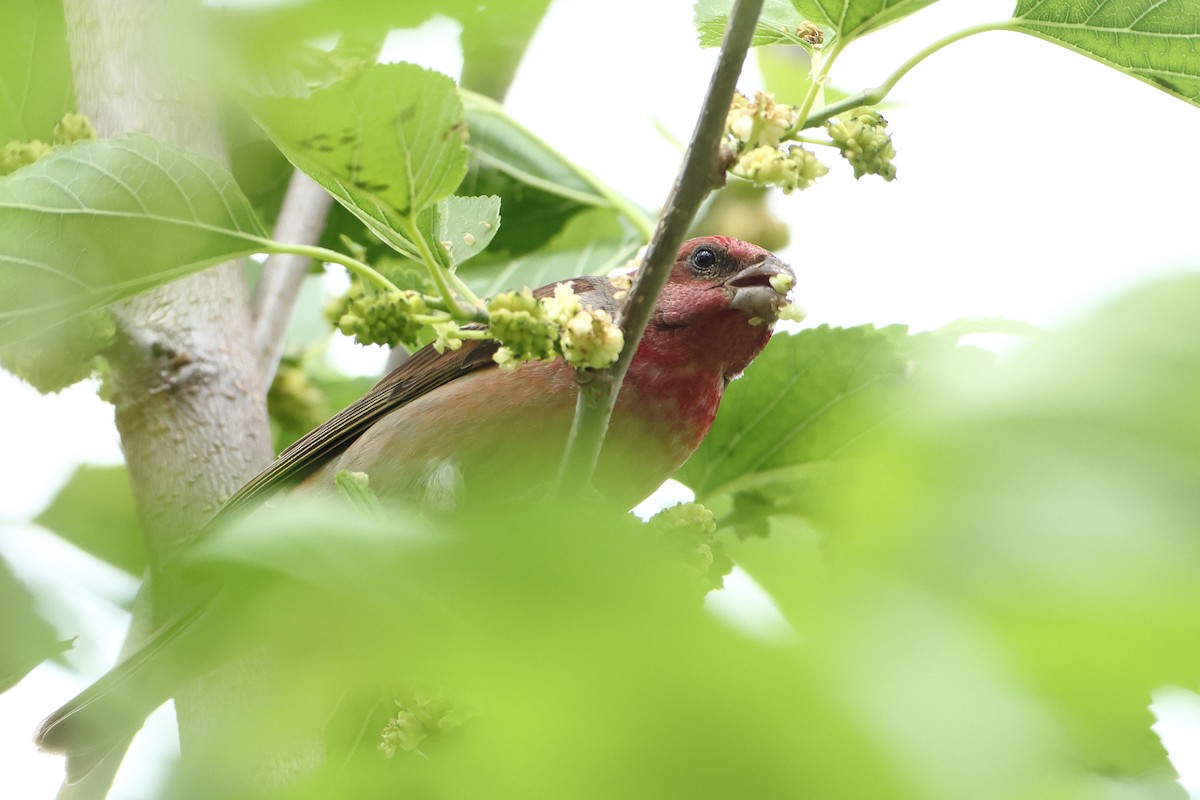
(862, 137)
(757, 122)
(689, 530)
(15, 155)
(448, 336)
(518, 321)
(73, 128)
(591, 339)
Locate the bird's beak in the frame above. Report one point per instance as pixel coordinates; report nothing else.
(760, 290)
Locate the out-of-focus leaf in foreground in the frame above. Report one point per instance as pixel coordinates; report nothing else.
(102, 220)
(1049, 511)
(810, 400)
(568, 644)
(94, 511)
(35, 72)
(26, 640)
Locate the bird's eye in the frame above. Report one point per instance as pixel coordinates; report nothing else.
(704, 258)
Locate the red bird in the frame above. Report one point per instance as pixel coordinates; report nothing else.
(447, 424)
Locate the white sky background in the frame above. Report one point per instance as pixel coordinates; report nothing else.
(1033, 184)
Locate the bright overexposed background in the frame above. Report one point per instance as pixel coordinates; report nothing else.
(1033, 184)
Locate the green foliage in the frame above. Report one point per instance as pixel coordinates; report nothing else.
(53, 359)
(851, 19)
(604, 677)
(35, 73)
(592, 243)
(1157, 41)
(387, 142)
(463, 226)
(540, 190)
(1045, 508)
(777, 24)
(102, 220)
(985, 567)
(94, 511)
(809, 401)
(28, 639)
(781, 21)
(493, 38)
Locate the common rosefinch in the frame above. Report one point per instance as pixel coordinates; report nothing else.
(447, 423)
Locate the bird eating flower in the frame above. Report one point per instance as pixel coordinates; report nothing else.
(451, 426)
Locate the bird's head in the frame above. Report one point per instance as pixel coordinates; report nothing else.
(721, 301)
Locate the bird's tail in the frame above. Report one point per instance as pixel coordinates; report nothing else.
(107, 713)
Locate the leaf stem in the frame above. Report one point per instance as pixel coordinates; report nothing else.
(870, 97)
(702, 171)
(820, 76)
(364, 271)
(441, 276)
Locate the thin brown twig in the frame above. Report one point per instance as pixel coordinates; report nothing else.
(701, 172)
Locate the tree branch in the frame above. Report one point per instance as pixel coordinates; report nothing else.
(700, 173)
(301, 220)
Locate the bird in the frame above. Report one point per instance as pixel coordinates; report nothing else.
(451, 426)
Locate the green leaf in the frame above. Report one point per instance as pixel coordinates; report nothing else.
(35, 72)
(499, 142)
(387, 143)
(494, 38)
(804, 403)
(94, 511)
(851, 19)
(1052, 500)
(591, 244)
(597, 626)
(463, 226)
(28, 639)
(776, 24)
(102, 220)
(1157, 41)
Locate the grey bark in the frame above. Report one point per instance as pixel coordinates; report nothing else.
(190, 405)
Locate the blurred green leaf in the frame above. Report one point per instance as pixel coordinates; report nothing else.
(1157, 41)
(387, 143)
(102, 220)
(500, 142)
(604, 676)
(540, 190)
(35, 72)
(850, 19)
(807, 402)
(26, 640)
(494, 38)
(94, 511)
(776, 24)
(1052, 503)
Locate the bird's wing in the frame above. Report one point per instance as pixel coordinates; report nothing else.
(425, 371)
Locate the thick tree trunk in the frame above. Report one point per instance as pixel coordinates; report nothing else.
(190, 405)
